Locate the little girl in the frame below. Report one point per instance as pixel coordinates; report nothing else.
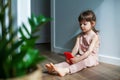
(85, 51)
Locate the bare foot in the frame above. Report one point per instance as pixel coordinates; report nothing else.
(49, 68)
(60, 71)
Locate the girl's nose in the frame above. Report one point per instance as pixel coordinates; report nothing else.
(82, 25)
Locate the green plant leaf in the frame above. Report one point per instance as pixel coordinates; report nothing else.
(5, 43)
(26, 59)
(23, 37)
(17, 55)
(23, 25)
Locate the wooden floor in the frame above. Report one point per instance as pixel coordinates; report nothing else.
(101, 72)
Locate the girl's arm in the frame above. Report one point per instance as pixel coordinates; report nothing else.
(87, 53)
(76, 47)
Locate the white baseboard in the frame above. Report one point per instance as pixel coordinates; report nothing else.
(109, 59)
(102, 58)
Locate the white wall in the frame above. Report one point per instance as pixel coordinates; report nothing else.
(108, 22)
(23, 12)
(65, 26)
(37, 7)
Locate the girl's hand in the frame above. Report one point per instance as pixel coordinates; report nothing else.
(75, 60)
(68, 61)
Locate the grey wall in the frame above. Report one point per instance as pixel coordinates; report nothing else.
(66, 26)
(42, 7)
(66, 20)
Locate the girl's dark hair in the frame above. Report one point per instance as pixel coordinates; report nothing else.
(88, 15)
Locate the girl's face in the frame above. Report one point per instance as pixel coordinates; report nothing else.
(85, 26)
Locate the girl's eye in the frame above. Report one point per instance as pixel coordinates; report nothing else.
(85, 23)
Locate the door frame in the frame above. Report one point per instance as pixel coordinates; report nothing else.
(53, 25)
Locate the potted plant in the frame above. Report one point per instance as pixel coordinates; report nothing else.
(18, 57)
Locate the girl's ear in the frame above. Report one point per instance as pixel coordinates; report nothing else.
(93, 23)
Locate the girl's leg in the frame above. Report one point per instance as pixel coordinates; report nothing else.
(77, 67)
(88, 62)
(62, 65)
(62, 70)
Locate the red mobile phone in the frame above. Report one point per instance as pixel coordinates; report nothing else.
(68, 55)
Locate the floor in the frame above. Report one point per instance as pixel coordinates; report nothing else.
(101, 72)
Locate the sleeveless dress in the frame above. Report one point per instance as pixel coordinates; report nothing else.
(91, 60)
